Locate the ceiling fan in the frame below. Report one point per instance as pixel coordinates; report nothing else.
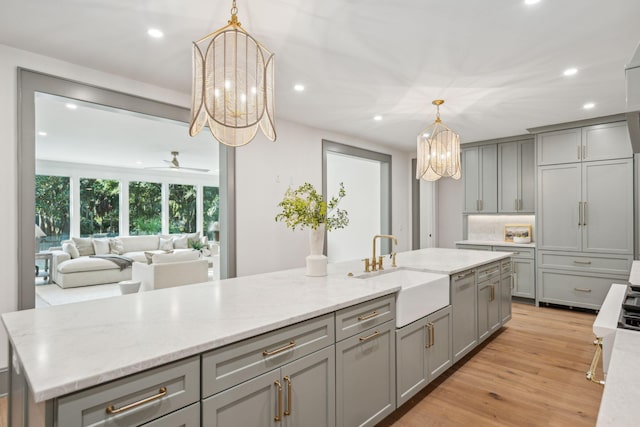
(174, 164)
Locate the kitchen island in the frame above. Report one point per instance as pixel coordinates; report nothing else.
(68, 349)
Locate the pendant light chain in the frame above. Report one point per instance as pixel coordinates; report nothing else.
(234, 9)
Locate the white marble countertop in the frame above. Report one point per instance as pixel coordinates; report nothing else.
(495, 243)
(71, 347)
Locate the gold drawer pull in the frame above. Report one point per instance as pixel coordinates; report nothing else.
(582, 289)
(111, 409)
(591, 373)
(582, 262)
(287, 410)
(278, 416)
(368, 337)
(374, 313)
(279, 350)
(462, 276)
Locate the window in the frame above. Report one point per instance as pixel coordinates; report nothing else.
(145, 208)
(99, 207)
(52, 210)
(182, 208)
(211, 202)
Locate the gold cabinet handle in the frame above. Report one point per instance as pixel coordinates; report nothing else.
(591, 373)
(584, 213)
(279, 350)
(427, 335)
(578, 147)
(582, 262)
(462, 276)
(516, 253)
(374, 313)
(278, 416)
(579, 214)
(582, 289)
(493, 292)
(368, 337)
(287, 410)
(111, 409)
(432, 335)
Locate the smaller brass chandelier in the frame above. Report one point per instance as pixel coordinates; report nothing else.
(233, 85)
(438, 151)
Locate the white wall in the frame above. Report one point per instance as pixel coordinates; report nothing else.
(449, 211)
(262, 244)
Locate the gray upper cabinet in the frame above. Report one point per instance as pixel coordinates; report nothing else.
(592, 143)
(516, 177)
(480, 176)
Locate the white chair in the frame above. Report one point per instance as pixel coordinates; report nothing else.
(169, 274)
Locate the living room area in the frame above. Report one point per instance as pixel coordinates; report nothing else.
(123, 200)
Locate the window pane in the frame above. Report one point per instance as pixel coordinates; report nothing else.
(182, 208)
(211, 201)
(99, 207)
(145, 208)
(52, 210)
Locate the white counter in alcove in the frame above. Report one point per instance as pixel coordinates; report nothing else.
(72, 347)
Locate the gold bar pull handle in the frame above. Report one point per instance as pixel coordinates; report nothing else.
(374, 313)
(579, 214)
(111, 409)
(368, 337)
(578, 147)
(591, 373)
(287, 410)
(587, 290)
(427, 335)
(279, 350)
(278, 416)
(582, 262)
(432, 334)
(493, 292)
(584, 213)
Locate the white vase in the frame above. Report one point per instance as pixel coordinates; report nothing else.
(316, 240)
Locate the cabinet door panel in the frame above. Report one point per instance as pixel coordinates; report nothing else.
(412, 372)
(527, 176)
(313, 390)
(559, 147)
(606, 141)
(506, 281)
(489, 179)
(608, 210)
(365, 377)
(464, 315)
(185, 417)
(523, 278)
(470, 174)
(508, 193)
(440, 353)
(559, 190)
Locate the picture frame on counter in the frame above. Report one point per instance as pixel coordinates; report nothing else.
(517, 233)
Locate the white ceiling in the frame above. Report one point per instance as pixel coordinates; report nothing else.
(497, 63)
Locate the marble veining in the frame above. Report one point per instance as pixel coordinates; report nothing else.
(75, 346)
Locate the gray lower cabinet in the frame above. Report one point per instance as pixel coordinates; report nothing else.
(423, 352)
(300, 393)
(489, 304)
(366, 376)
(506, 287)
(524, 274)
(464, 313)
(185, 417)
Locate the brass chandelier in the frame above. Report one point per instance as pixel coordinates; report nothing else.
(438, 151)
(233, 85)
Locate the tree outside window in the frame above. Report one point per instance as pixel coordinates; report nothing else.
(182, 208)
(99, 207)
(145, 208)
(210, 214)
(52, 209)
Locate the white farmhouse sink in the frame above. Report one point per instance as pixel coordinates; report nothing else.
(422, 293)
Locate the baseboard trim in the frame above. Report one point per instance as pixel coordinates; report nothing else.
(4, 382)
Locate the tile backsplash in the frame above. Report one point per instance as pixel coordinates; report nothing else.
(491, 227)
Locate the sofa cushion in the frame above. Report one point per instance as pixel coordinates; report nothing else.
(166, 244)
(175, 257)
(71, 249)
(116, 247)
(181, 242)
(139, 243)
(84, 264)
(84, 245)
(101, 246)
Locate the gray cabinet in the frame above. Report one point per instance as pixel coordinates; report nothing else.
(423, 352)
(300, 393)
(488, 289)
(464, 313)
(365, 369)
(480, 179)
(516, 177)
(524, 274)
(506, 287)
(185, 417)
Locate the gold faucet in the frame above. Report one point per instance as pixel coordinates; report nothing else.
(376, 264)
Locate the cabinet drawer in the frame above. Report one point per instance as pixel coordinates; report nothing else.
(506, 267)
(185, 417)
(574, 289)
(610, 264)
(353, 320)
(175, 386)
(489, 271)
(227, 366)
(517, 252)
(473, 247)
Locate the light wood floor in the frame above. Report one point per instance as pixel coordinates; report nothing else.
(532, 373)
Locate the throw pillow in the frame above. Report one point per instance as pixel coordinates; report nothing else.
(71, 249)
(181, 242)
(84, 245)
(116, 246)
(166, 244)
(101, 246)
(149, 257)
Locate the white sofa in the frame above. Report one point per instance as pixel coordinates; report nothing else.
(169, 270)
(74, 266)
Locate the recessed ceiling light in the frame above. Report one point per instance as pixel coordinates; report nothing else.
(41, 133)
(377, 118)
(298, 88)
(570, 71)
(71, 106)
(588, 105)
(155, 33)
(530, 2)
